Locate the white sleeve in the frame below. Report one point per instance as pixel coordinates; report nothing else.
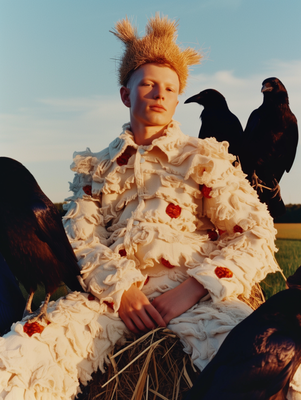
(245, 248)
(104, 272)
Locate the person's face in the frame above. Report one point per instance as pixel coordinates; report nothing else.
(151, 95)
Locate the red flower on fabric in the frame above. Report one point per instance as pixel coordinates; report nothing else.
(212, 234)
(166, 263)
(173, 211)
(124, 158)
(238, 228)
(88, 190)
(220, 231)
(31, 328)
(206, 191)
(223, 272)
(146, 280)
(109, 304)
(122, 252)
(91, 297)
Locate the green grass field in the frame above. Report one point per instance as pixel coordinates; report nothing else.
(288, 257)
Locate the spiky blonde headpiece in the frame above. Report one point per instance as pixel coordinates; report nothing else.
(157, 46)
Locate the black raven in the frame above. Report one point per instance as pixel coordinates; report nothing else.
(217, 120)
(260, 356)
(12, 302)
(270, 143)
(32, 238)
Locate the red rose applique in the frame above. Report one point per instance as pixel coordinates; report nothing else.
(206, 191)
(124, 158)
(111, 305)
(91, 297)
(88, 190)
(173, 211)
(212, 234)
(238, 228)
(122, 252)
(31, 328)
(166, 263)
(146, 280)
(220, 231)
(223, 272)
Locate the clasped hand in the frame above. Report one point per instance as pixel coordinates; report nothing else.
(139, 315)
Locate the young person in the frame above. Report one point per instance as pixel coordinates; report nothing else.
(166, 230)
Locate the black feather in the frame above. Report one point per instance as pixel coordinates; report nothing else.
(270, 143)
(32, 238)
(260, 356)
(217, 120)
(12, 302)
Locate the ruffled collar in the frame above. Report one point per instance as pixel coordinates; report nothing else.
(170, 142)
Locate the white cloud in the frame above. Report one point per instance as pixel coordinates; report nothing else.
(49, 133)
(243, 94)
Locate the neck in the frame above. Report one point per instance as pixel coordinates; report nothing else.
(144, 135)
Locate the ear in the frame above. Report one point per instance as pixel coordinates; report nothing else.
(125, 96)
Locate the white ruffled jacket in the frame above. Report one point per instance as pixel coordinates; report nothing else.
(146, 211)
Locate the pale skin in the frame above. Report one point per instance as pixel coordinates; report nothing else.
(152, 97)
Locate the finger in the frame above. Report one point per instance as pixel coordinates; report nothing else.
(159, 307)
(139, 322)
(146, 319)
(130, 325)
(167, 318)
(155, 315)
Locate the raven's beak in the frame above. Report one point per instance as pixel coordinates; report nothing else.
(266, 88)
(193, 99)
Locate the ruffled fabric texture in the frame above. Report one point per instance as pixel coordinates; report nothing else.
(136, 208)
(294, 392)
(204, 327)
(76, 340)
(150, 215)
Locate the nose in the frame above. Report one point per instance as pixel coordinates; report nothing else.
(158, 92)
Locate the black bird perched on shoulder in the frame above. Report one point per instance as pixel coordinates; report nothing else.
(260, 356)
(217, 120)
(32, 237)
(270, 143)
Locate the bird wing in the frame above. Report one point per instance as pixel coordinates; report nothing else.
(252, 123)
(292, 137)
(248, 153)
(12, 302)
(268, 369)
(256, 376)
(50, 230)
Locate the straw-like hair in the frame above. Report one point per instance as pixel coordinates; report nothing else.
(157, 46)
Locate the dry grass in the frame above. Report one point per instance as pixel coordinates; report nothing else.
(288, 231)
(150, 367)
(153, 366)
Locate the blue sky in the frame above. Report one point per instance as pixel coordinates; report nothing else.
(58, 81)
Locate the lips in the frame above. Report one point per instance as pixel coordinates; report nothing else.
(157, 107)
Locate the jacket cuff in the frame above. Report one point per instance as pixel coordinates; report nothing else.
(111, 280)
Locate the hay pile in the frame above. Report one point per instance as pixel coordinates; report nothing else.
(150, 367)
(256, 298)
